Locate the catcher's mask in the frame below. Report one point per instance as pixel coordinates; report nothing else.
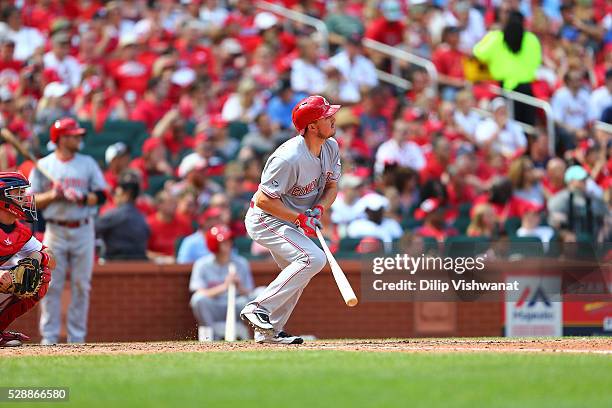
(15, 197)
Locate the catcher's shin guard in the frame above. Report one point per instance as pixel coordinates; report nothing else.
(17, 307)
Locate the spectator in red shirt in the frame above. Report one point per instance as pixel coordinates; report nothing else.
(463, 186)
(437, 160)
(152, 161)
(240, 24)
(90, 52)
(419, 79)
(129, 73)
(152, 107)
(448, 60)
(191, 52)
(263, 71)
(171, 130)
(595, 162)
(23, 119)
(501, 198)
(9, 67)
(165, 229)
(389, 28)
(434, 226)
(97, 105)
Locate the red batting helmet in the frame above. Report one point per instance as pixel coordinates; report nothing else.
(14, 197)
(64, 127)
(311, 109)
(216, 235)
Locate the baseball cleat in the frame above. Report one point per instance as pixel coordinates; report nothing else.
(280, 338)
(258, 319)
(12, 339)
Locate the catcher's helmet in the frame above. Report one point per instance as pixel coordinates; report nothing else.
(14, 197)
(64, 127)
(311, 109)
(216, 235)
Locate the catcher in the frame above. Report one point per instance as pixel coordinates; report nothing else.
(25, 264)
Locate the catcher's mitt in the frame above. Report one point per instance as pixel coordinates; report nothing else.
(27, 278)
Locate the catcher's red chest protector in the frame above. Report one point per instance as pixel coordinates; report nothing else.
(12, 239)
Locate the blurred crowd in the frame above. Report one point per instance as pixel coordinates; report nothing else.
(215, 81)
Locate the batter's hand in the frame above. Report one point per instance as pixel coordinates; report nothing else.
(73, 195)
(308, 224)
(316, 211)
(58, 191)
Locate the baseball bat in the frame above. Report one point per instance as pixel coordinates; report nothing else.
(230, 317)
(10, 138)
(343, 284)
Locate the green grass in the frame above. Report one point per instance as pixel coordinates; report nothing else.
(304, 378)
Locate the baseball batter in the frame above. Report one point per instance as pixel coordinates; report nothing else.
(68, 206)
(298, 183)
(25, 264)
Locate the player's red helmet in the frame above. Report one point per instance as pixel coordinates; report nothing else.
(64, 127)
(14, 197)
(216, 235)
(311, 109)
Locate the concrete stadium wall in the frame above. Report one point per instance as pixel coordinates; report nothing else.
(137, 301)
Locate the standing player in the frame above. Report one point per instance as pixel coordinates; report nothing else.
(298, 183)
(25, 264)
(68, 206)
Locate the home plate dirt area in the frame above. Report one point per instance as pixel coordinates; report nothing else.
(594, 345)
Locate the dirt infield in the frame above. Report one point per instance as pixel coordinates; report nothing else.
(562, 345)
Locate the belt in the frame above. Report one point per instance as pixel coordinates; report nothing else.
(70, 224)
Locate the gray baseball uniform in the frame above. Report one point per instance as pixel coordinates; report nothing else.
(207, 273)
(298, 178)
(73, 246)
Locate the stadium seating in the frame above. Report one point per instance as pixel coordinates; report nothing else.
(527, 247)
(461, 245)
(133, 134)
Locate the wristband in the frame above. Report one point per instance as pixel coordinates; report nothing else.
(320, 207)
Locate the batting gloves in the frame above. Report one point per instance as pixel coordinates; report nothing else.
(308, 224)
(316, 211)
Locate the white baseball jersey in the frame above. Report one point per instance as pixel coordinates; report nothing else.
(207, 273)
(293, 174)
(81, 173)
